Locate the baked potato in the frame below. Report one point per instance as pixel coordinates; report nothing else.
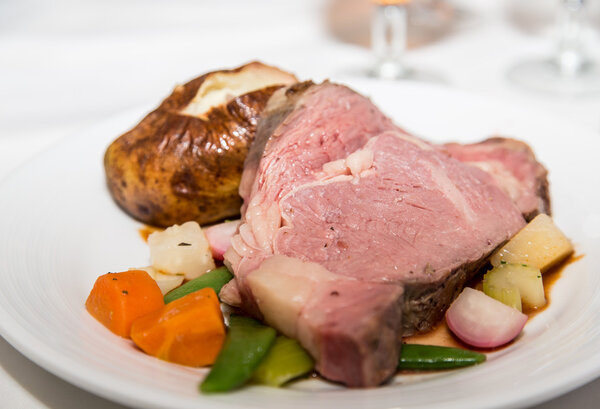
(184, 160)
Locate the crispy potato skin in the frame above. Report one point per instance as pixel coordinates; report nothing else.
(173, 168)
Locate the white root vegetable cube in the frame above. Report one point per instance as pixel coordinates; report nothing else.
(539, 244)
(525, 281)
(181, 250)
(510, 295)
(166, 282)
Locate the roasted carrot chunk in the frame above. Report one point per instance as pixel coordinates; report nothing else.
(118, 299)
(188, 331)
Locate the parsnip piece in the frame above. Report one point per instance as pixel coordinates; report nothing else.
(539, 244)
(504, 281)
(181, 250)
(166, 282)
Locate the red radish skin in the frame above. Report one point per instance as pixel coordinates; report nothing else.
(219, 237)
(483, 322)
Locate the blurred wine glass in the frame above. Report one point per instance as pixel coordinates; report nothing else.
(388, 39)
(570, 71)
(389, 28)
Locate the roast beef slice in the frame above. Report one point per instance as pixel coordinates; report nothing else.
(391, 224)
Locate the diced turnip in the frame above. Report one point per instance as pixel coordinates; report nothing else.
(219, 237)
(539, 244)
(166, 282)
(510, 296)
(181, 250)
(506, 280)
(483, 322)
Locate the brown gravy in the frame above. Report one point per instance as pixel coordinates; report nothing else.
(146, 231)
(441, 334)
(549, 278)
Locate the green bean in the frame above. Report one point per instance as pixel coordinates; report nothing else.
(246, 345)
(423, 357)
(214, 279)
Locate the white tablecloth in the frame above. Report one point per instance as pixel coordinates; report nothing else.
(66, 64)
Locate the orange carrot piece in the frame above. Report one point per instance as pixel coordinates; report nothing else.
(118, 299)
(188, 331)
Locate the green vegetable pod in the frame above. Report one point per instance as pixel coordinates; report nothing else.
(285, 361)
(214, 279)
(430, 357)
(246, 345)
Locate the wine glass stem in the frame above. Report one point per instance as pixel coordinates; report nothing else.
(570, 58)
(388, 40)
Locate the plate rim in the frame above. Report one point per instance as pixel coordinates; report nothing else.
(39, 352)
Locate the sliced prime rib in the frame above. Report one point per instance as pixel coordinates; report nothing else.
(355, 233)
(514, 168)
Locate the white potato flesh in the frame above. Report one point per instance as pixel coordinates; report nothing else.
(221, 87)
(166, 282)
(483, 322)
(539, 244)
(181, 250)
(282, 286)
(527, 281)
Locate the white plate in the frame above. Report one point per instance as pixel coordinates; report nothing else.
(60, 230)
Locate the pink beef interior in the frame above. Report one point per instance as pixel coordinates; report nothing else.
(514, 168)
(395, 226)
(416, 209)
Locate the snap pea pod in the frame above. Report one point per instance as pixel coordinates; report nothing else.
(423, 357)
(246, 344)
(214, 279)
(285, 361)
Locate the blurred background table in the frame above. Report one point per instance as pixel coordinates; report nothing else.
(67, 64)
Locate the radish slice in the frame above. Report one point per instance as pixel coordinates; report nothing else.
(219, 237)
(483, 322)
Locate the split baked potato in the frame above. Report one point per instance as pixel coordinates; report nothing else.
(184, 160)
